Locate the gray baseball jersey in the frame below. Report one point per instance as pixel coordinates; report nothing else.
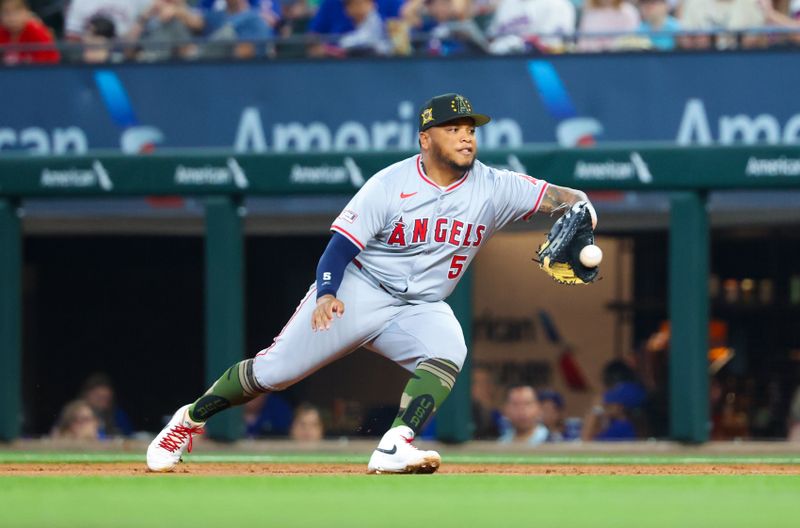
(416, 238)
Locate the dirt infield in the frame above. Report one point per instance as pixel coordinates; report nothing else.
(245, 469)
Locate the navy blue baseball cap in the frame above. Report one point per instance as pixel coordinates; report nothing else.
(551, 395)
(447, 107)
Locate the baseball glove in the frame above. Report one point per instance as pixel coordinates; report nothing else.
(559, 255)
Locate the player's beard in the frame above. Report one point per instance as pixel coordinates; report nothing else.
(439, 155)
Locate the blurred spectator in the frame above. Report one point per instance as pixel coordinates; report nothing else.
(98, 393)
(267, 415)
(269, 10)
(98, 39)
(307, 424)
(654, 368)
(449, 29)
(794, 417)
(50, 13)
(369, 36)
(485, 415)
(617, 371)
(123, 13)
(610, 418)
(716, 397)
(77, 422)
(521, 24)
(524, 415)
(766, 412)
(346, 417)
(482, 8)
(790, 19)
(607, 16)
(552, 404)
(295, 16)
(332, 19)
(658, 24)
(237, 21)
(165, 22)
(721, 15)
(487, 420)
(18, 25)
(729, 409)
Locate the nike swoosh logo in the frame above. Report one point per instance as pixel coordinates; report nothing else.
(391, 451)
(403, 196)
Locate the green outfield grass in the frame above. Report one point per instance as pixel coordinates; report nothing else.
(441, 500)
(491, 501)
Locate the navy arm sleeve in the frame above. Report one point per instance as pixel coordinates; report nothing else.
(330, 270)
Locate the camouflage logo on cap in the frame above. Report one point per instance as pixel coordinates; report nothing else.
(427, 116)
(460, 105)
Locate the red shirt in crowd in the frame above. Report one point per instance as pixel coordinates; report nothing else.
(34, 32)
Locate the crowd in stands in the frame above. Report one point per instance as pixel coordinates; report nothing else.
(527, 416)
(94, 414)
(98, 31)
(516, 414)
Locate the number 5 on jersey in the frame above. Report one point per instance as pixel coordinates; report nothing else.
(456, 266)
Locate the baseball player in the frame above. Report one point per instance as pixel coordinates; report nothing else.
(398, 249)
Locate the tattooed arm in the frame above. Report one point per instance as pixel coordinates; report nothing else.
(559, 199)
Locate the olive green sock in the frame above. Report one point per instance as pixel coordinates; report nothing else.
(237, 386)
(425, 392)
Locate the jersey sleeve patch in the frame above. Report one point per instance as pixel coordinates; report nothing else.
(348, 216)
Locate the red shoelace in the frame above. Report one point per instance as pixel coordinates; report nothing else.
(177, 435)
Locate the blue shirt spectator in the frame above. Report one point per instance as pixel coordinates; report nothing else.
(209, 5)
(234, 31)
(271, 9)
(523, 414)
(268, 415)
(656, 19)
(369, 36)
(611, 421)
(618, 429)
(246, 23)
(663, 40)
(332, 19)
(98, 393)
(552, 410)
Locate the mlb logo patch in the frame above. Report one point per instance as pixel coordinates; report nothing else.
(348, 216)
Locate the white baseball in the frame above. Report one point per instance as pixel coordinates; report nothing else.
(591, 256)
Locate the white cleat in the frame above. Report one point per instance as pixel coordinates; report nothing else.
(166, 449)
(396, 454)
